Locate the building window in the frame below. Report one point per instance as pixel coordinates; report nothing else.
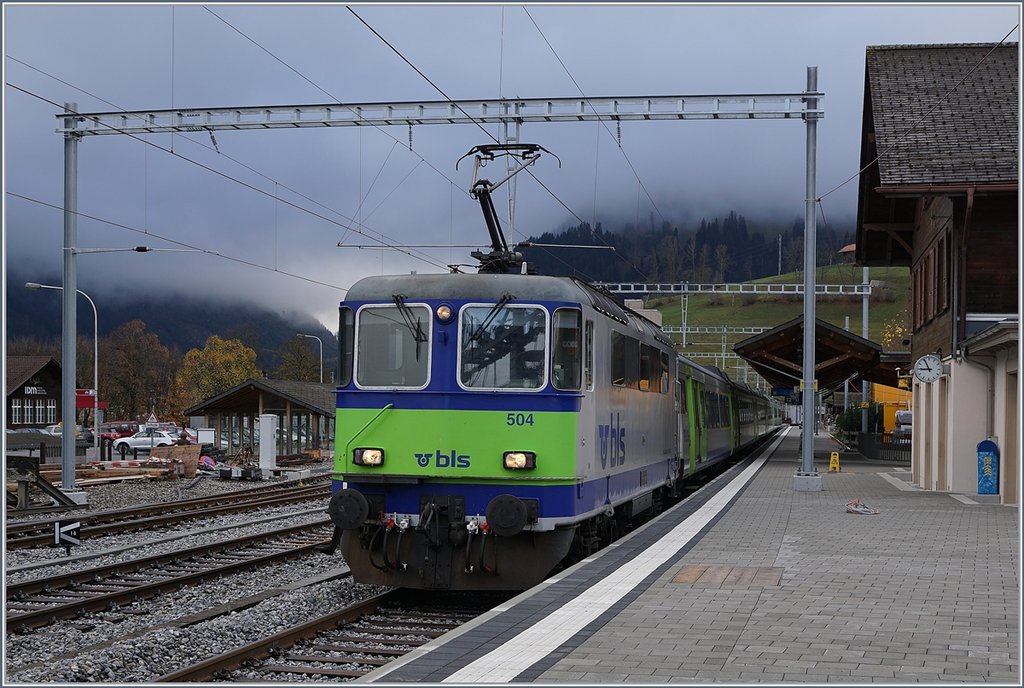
(917, 298)
(15, 411)
(943, 273)
(41, 411)
(51, 411)
(929, 285)
(29, 416)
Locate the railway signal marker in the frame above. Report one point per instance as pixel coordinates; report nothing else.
(66, 534)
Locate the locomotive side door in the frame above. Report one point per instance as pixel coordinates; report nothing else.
(699, 417)
(682, 422)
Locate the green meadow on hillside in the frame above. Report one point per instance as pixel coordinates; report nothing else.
(888, 306)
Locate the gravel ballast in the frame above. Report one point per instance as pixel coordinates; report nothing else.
(150, 638)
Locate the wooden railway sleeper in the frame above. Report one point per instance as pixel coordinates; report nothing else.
(340, 673)
(370, 661)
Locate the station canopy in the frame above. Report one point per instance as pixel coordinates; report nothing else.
(777, 355)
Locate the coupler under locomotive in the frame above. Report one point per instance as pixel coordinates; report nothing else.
(442, 548)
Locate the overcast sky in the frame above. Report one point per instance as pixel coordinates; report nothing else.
(167, 56)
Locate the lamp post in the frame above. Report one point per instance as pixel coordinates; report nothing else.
(96, 358)
(313, 336)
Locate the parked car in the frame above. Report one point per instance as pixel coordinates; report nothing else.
(145, 439)
(53, 430)
(904, 426)
(115, 430)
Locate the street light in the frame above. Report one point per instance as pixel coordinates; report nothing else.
(313, 336)
(95, 364)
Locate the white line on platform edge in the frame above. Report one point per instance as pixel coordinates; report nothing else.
(529, 647)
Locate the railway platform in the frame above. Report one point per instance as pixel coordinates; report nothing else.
(751, 581)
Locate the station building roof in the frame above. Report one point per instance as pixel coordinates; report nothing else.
(316, 397)
(938, 119)
(777, 355)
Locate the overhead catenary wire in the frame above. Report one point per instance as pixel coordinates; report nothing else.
(177, 242)
(270, 195)
(474, 120)
(188, 138)
(617, 139)
(587, 99)
(320, 88)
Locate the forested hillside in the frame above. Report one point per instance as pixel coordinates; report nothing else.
(727, 249)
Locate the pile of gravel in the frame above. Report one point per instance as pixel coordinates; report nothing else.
(150, 638)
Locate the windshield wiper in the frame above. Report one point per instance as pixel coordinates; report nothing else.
(411, 321)
(490, 316)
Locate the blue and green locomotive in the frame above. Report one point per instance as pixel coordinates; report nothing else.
(493, 426)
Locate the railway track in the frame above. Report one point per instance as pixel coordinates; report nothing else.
(344, 644)
(40, 602)
(153, 516)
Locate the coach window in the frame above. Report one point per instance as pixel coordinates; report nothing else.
(618, 358)
(632, 363)
(394, 346)
(503, 347)
(346, 333)
(647, 363)
(565, 349)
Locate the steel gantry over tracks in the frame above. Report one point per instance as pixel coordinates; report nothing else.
(735, 288)
(497, 111)
(74, 125)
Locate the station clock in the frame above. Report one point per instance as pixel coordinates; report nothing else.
(928, 368)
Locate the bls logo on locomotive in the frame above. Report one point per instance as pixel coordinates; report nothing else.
(612, 440)
(442, 460)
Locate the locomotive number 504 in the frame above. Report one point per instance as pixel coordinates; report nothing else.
(519, 419)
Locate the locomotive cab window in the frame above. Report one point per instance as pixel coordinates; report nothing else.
(503, 347)
(346, 332)
(393, 346)
(565, 349)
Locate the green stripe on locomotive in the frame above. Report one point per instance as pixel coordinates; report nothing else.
(457, 444)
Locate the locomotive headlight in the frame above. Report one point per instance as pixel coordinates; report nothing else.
(444, 312)
(520, 460)
(368, 457)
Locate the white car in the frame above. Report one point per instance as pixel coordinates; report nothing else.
(146, 439)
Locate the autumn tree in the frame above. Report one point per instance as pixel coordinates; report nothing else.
(135, 371)
(219, 366)
(298, 361)
(29, 346)
(894, 331)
